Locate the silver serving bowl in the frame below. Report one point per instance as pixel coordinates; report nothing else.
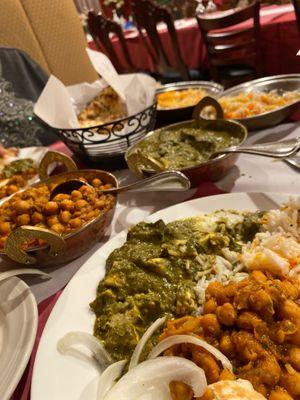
(282, 83)
(177, 114)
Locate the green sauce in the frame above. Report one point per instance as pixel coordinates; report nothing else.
(185, 147)
(154, 274)
(18, 167)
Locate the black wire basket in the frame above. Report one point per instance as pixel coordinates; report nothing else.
(105, 145)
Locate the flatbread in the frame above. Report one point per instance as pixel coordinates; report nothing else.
(235, 390)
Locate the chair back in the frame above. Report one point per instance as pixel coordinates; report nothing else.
(101, 30)
(226, 46)
(147, 16)
(296, 4)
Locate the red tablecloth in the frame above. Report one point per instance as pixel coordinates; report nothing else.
(279, 43)
(23, 390)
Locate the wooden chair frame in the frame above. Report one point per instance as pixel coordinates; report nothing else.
(232, 47)
(147, 15)
(101, 29)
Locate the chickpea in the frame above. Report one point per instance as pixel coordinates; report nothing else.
(80, 204)
(210, 324)
(100, 203)
(258, 276)
(295, 338)
(2, 241)
(61, 196)
(75, 223)
(294, 357)
(280, 394)
(4, 227)
(290, 310)
(21, 206)
(96, 182)
(37, 218)
(210, 306)
(51, 208)
(291, 382)
(11, 189)
(52, 220)
(226, 345)
(226, 314)
(262, 301)
(67, 205)
(209, 365)
(76, 195)
(216, 290)
(65, 216)
(58, 228)
(23, 219)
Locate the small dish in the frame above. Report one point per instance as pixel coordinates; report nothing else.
(177, 114)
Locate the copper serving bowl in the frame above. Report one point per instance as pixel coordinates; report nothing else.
(211, 170)
(61, 248)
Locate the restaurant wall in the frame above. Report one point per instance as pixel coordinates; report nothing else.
(51, 33)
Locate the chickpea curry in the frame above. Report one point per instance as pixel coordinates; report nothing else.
(256, 324)
(64, 214)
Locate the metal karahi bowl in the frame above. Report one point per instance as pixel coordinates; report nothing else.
(177, 114)
(211, 170)
(60, 248)
(281, 83)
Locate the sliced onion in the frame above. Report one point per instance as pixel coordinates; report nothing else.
(150, 379)
(179, 339)
(144, 339)
(71, 339)
(109, 377)
(22, 271)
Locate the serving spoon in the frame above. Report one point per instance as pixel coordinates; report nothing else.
(164, 181)
(282, 149)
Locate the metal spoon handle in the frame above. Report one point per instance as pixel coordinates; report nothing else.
(282, 149)
(164, 181)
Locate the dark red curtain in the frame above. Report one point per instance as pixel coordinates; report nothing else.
(125, 10)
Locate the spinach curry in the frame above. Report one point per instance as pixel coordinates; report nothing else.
(185, 147)
(154, 274)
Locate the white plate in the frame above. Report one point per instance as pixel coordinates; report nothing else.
(57, 377)
(18, 325)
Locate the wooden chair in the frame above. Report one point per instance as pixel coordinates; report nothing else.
(234, 55)
(147, 15)
(296, 4)
(101, 28)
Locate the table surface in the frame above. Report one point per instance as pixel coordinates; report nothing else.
(250, 174)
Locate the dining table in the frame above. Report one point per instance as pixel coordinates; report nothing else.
(279, 43)
(250, 174)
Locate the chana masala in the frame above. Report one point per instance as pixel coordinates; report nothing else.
(256, 324)
(64, 214)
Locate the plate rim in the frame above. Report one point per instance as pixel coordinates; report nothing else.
(35, 385)
(29, 305)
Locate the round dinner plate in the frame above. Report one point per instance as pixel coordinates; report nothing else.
(18, 325)
(57, 377)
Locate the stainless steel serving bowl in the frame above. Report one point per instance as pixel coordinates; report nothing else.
(211, 170)
(281, 83)
(177, 114)
(60, 249)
